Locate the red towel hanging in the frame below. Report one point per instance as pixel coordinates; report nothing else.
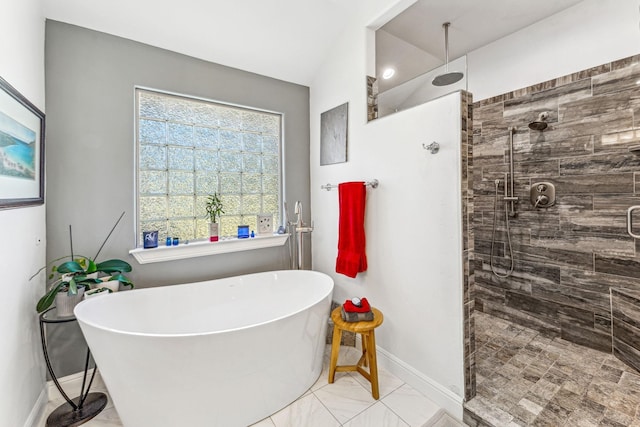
(352, 258)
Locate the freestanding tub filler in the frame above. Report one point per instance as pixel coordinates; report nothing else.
(226, 352)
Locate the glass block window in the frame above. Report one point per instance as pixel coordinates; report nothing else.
(188, 148)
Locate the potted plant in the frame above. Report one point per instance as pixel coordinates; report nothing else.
(213, 206)
(70, 279)
(75, 276)
(96, 292)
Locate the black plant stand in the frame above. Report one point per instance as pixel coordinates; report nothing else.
(81, 409)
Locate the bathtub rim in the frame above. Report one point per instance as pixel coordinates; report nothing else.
(93, 324)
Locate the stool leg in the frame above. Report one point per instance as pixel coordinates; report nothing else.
(335, 349)
(363, 341)
(373, 364)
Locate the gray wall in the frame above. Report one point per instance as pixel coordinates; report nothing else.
(90, 79)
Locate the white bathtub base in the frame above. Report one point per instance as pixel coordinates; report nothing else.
(233, 377)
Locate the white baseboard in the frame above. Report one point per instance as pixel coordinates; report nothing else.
(50, 392)
(443, 419)
(442, 396)
(37, 412)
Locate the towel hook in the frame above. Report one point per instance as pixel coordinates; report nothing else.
(434, 147)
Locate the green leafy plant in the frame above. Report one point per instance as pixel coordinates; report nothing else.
(80, 271)
(213, 206)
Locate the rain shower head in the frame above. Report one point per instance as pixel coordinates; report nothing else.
(541, 123)
(448, 77)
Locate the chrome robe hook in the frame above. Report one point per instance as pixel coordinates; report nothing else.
(434, 147)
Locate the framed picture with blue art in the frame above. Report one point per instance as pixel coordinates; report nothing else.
(21, 150)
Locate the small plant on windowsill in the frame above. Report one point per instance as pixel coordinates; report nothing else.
(213, 207)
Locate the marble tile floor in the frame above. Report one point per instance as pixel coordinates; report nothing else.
(526, 379)
(347, 402)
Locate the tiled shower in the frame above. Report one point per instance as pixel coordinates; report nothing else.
(576, 270)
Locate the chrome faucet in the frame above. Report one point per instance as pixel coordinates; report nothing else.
(298, 211)
(299, 229)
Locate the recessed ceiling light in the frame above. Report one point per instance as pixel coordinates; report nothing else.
(388, 73)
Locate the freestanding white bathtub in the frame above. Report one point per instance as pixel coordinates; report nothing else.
(226, 352)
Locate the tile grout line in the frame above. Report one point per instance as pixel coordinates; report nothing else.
(329, 410)
(325, 406)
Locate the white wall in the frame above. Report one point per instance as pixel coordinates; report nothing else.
(408, 60)
(588, 34)
(412, 221)
(22, 377)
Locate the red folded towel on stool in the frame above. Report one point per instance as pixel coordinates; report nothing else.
(352, 258)
(350, 307)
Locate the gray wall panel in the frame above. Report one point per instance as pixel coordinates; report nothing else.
(90, 80)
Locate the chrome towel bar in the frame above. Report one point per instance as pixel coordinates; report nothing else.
(329, 187)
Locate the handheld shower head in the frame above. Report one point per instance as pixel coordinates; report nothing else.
(541, 123)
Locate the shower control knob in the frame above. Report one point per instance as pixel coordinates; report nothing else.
(541, 201)
(542, 194)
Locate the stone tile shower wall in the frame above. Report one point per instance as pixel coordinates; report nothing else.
(625, 317)
(568, 256)
(466, 193)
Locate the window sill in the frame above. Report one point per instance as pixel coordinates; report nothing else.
(197, 249)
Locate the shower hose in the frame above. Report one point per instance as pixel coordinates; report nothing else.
(493, 236)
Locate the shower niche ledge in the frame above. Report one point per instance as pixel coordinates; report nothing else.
(205, 248)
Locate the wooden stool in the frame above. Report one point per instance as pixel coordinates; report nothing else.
(366, 330)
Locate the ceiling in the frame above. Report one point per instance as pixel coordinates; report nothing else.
(289, 39)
